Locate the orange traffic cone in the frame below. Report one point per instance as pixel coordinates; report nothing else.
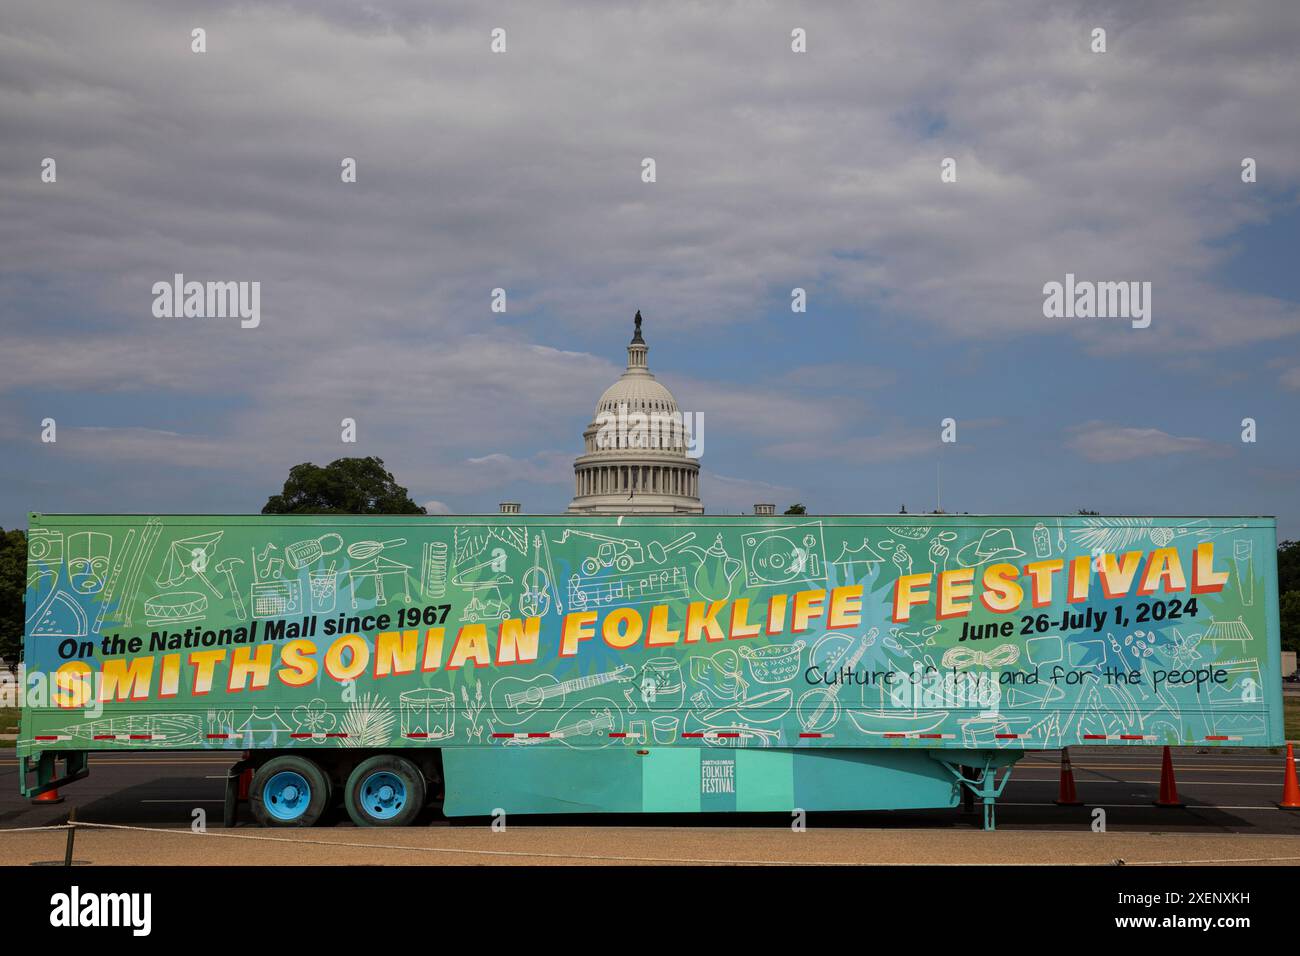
(1066, 795)
(1290, 787)
(48, 797)
(1168, 789)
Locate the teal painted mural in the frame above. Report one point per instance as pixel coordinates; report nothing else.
(587, 633)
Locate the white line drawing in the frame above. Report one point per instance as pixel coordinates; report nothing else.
(378, 568)
(819, 709)
(1042, 541)
(302, 553)
(495, 565)
(428, 713)
(1242, 553)
(473, 541)
(44, 546)
(662, 686)
(1080, 651)
(368, 722)
(175, 607)
(227, 566)
(624, 554)
(276, 598)
(589, 725)
(664, 728)
(761, 708)
(1044, 650)
(739, 735)
(1233, 631)
(1184, 652)
(849, 559)
(59, 615)
(876, 723)
(1004, 655)
(472, 710)
(773, 663)
(364, 550)
(906, 640)
(719, 674)
(515, 699)
(783, 555)
(271, 596)
(188, 558)
(638, 587)
(148, 541)
(433, 569)
(89, 556)
(258, 723)
(1116, 534)
(487, 605)
(915, 532)
(900, 556)
(993, 544)
(313, 718)
(221, 721)
(939, 552)
(110, 589)
(539, 587)
(162, 730)
(716, 574)
(323, 587)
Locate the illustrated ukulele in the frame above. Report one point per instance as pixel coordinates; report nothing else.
(515, 699)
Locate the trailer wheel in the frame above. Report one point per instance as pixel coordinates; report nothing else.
(385, 791)
(289, 792)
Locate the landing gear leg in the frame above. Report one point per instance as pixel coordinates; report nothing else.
(981, 782)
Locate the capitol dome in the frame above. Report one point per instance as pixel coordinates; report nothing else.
(636, 457)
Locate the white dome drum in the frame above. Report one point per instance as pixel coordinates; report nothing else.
(635, 457)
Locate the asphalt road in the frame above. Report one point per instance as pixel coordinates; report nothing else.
(1230, 815)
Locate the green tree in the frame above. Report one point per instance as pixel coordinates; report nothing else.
(796, 509)
(1289, 612)
(348, 486)
(1288, 566)
(13, 588)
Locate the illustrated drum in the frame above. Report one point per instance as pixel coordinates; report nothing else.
(428, 714)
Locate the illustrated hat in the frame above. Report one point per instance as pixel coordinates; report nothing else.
(993, 544)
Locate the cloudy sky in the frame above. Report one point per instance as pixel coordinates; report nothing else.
(775, 170)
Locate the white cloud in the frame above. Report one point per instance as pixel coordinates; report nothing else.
(1105, 443)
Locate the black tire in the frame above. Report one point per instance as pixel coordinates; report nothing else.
(268, 812)
(369, 806)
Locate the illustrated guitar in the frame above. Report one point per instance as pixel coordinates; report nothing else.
(515, 699)
(600, 717)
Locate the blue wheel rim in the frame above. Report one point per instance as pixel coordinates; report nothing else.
(287, 795)
(383, 795)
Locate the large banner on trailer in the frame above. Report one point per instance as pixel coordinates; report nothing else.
(566, 631)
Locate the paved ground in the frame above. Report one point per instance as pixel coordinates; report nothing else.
(1231, 816)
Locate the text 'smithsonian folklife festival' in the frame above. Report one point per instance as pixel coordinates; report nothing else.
(590, 632)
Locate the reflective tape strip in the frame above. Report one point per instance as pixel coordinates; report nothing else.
(52, 737)
(1221, 737)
